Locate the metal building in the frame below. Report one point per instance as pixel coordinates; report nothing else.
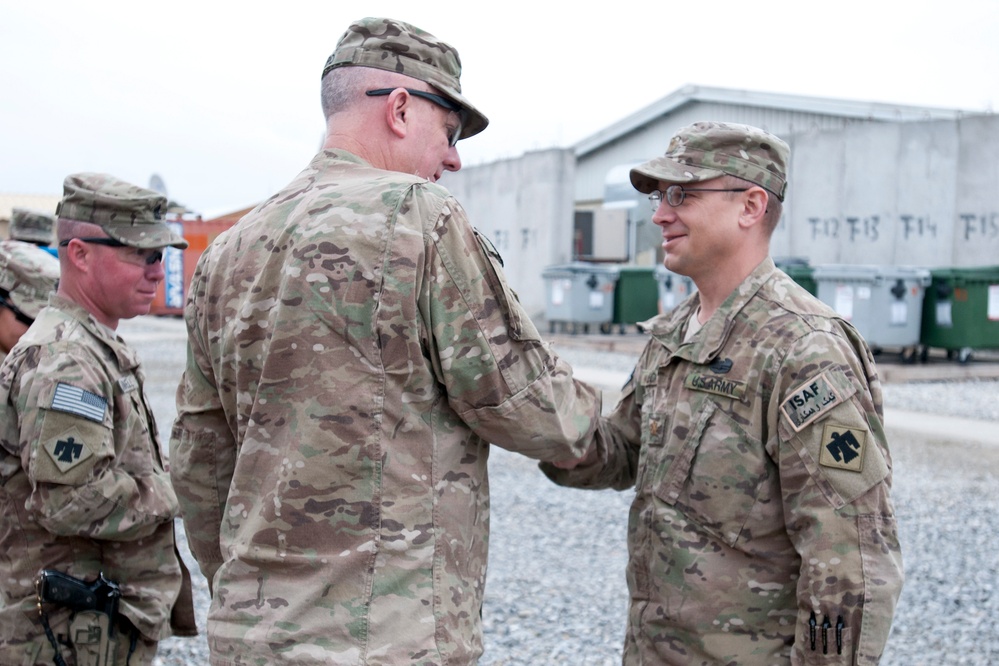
(869, 183)
(611, 220)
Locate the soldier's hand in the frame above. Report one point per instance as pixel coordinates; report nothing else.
(571, 463)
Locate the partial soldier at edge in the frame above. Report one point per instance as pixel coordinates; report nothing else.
(90, 574)
(28, 275)
(31, 226)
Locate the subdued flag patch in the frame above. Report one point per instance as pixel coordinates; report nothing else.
(73, 400)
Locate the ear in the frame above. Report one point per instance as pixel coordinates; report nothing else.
(754, 207)
(397, 112)
(78, 253)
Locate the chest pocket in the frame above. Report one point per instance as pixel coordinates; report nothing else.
(137, 442)
(718, 474)
(655, 420)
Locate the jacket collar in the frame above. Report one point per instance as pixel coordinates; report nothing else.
(704, 346)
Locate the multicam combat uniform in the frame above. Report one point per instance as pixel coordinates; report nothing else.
(762, 476)
(28, 274)
(83, 488)
(31, 226)
(353, 348)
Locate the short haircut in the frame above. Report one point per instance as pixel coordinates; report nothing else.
(343, 87)
(775, 208)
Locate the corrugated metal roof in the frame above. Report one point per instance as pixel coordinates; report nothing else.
(872, 111)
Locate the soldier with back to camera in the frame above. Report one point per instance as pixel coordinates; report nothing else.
(354, 348)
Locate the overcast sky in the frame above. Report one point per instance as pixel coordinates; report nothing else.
(221, 99)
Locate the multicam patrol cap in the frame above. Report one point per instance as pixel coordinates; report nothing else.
(128, 213)
(395, 46)
(707, 150)
(31, 226)
(28, 274)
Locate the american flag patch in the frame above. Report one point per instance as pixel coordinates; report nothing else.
(75, 400)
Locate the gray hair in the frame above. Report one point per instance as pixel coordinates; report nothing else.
(345, 86)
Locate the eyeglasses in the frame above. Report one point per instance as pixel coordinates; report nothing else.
(453, 134)
(675, 194)
(18, 312)
(139, 256)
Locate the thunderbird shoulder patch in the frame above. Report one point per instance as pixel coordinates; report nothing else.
(843, 447)
(68, 450)
(810, 401)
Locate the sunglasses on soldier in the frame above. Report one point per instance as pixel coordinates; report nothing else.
(453, 134)
(18, 313)
(142, 258)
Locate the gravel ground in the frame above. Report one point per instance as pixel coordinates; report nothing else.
(556, 592)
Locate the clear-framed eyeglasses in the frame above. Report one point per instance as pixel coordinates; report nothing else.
(675, 194)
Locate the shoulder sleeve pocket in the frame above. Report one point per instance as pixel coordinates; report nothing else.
(68, 448)
(519, 324)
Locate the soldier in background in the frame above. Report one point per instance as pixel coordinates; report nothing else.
(353, 349)
(84, 488)
(761, 531)
(28, 275)
(31, 227)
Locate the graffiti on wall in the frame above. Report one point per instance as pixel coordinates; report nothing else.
(851, 228)
(974, 227)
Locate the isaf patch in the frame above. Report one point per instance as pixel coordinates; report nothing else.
(810, 401)
(68, 450)
(843, 447)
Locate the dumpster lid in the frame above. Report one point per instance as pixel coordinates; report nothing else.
(580, 267)
(969, 274)
(869, 272)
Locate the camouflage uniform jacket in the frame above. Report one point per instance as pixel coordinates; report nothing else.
(353, 346)
(84, 485)
(762, 480)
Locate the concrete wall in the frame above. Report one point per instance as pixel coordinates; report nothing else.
(916, 194)
(650, 141)
(525, 207)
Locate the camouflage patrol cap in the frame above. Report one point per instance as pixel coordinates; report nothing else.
(28, 274)
(128, 213)
(31, 226)
(395, 46)
(707, 150)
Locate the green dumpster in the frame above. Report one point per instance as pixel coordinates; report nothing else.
(635, 297)
(798, 269)
(961, 310)
(673, 288)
